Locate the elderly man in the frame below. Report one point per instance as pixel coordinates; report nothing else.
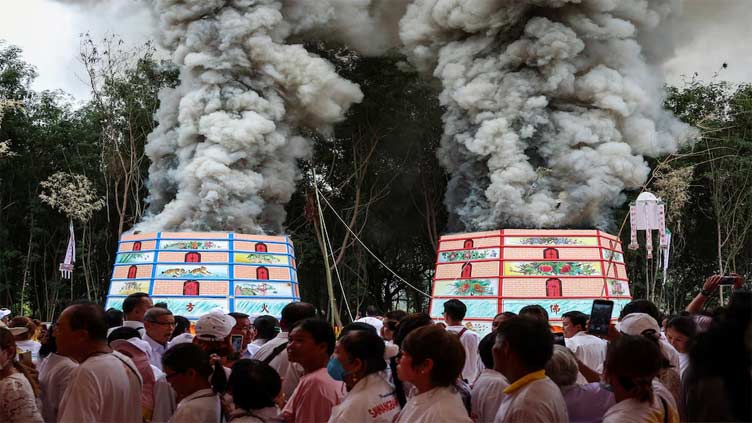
(106, 386)
(159, 323)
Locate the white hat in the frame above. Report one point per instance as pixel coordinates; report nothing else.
(4, 312)
(637, 323)
(214, 326)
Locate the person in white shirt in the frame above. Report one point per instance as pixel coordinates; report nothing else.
(54, 377)
(24, 341)
(243, 328)
(680, 331)
(254, 387)
(266, 328)
(358, 360)
(18, 388)
(432, 360)
(187, 368)
(159, 324)
(274, 352)
(523, 347)
(488, 390)
(106, 386)
(589, 349)
(372, 318)
(134, 308)
(632, 365)
(454, 313)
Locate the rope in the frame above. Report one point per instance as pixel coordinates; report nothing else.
(368, 249)
(331, 252)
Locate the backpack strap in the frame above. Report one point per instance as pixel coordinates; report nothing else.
(275, 352)
(462, 332)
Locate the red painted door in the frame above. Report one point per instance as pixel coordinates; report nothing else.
(260, 247)
(553, 287)
(191, 288)
(137, 246)
(551, 254)
(262, 273)
(132, 271)
(468, 244)
(192, 257)
(467, 270)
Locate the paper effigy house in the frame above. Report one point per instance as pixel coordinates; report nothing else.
(196, 272)
(497, 271)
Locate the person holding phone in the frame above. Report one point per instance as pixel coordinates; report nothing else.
(588, 348)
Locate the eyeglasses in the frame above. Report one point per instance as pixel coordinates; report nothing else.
(162, 323)
(169, 376)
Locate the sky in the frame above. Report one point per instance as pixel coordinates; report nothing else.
(710, 33)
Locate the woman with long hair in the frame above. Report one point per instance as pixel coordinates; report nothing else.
(18, 389)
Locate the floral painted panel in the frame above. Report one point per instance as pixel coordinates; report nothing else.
(194, 245)
(618, 288)
(468, 255)
(263, 289)
(135, 257)
(261, 258)
(466, 287)
(128, 287)
(618, 257)
(552, 268)
(476, 308)
(551, 241)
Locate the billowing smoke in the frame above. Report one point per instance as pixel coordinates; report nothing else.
(224, 154)
(550, 105)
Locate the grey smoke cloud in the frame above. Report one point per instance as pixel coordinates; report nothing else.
(551, 105)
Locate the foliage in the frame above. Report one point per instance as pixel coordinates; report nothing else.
(72, 195)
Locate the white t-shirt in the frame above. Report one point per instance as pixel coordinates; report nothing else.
(486, 395)
(54, 377)
(30, 345)
(589, 349)
(373, 321)
(633, 411)
(683, 364)
(201, 406)
(442, 404)
(371, 400)
(671, 354)
(254, 346)
(135, 324)
(537, 401)
(470, 341)
(157, 349)
(165, 398)
(264, 415)
(289, 372)
(104, 388)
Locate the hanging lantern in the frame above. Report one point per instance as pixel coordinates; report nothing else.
(647, 214)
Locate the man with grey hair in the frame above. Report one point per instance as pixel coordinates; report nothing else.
(159, 324)
(585, 403)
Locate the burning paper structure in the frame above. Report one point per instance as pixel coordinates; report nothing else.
(647, 214)
(196, 272)
(496, 271)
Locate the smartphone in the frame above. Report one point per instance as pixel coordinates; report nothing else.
(600, 317)
(237, 342)
(727, 280)
(559, 339)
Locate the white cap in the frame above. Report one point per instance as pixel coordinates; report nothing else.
(214, 326)
(4, 312)
(637, 323)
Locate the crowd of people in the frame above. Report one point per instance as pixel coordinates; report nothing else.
(145, 364)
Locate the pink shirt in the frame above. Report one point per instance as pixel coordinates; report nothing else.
(312, 402)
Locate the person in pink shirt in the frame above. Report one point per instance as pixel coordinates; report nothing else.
(311, 344)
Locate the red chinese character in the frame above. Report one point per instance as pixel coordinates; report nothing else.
(555, 309)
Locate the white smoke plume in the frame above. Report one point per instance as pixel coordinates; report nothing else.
(551, 105)
(224, 154)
